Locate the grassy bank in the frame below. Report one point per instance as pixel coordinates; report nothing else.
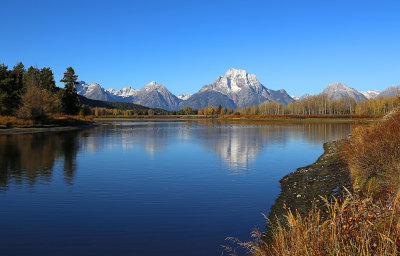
(363, 220)
(53, 121)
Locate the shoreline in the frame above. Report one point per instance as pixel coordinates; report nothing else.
(261, 118)
(40, 129)
(325, 177)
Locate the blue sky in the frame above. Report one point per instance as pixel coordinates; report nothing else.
(300, 46)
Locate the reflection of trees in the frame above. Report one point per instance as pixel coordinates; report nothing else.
(239, 143)
(31, 157)
(152, 136)
(236, 142)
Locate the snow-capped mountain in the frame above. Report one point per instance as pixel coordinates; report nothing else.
(183, 96)
(370, 94)
(124, 92)
(152, 95)
(305, 96)
(393, 90)
(339, 91)
(236, 88)
(296, 98)
(94, 91)
(241, 88)
(156, 96)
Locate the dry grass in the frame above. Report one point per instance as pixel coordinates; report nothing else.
(10, 121)
(55, 120)
(367, 223)
(373, 155)
(355, 226)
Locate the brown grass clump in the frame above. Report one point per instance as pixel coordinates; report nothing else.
(54, 120)
(373, 155)
(355, 226)
(11, 121)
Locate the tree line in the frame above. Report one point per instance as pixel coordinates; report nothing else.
(322, 104)
(33, 94)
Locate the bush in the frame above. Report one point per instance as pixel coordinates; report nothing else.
(37, 104)
(85, 110)
(373, 155)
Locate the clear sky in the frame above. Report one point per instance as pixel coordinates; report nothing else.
(299, 45)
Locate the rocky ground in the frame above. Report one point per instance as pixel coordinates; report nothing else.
(326, 177)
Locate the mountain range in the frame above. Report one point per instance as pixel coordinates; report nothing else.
(236, 88)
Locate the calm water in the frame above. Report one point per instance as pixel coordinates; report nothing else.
(147, 188)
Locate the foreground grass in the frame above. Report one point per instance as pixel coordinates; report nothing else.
(355, 226)
(365, 222)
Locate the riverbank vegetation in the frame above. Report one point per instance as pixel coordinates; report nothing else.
(322, 105)
(30, 98)
(365, 221)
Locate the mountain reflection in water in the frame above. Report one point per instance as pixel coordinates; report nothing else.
(31, 157)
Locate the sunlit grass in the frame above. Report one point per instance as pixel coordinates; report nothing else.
(366, 222)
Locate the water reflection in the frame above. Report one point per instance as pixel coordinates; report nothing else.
(31, 157)
(238, 144)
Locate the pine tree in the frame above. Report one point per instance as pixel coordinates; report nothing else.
(47, 80)
(18, 73)
(31, 77)
(9, 98)
(69, 97)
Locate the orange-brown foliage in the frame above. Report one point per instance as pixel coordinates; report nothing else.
(373, 155)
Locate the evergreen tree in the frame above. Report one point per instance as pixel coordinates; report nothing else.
(47, 80)
(31, 77)
(18, 73)
(69, 97)
(9, 98)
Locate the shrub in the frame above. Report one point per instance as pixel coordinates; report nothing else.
(373, 155)
(85, 110)
(37, 104)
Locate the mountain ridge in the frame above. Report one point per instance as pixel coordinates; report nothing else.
(236, 88)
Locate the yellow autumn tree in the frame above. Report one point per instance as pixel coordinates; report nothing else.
(38, 104)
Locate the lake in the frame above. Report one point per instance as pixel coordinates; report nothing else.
(134, 187)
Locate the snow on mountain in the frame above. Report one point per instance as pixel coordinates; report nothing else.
(393, 90)
(183, 96)
(156, 96)
(94, 91)
(242, 88)
(339, 91)
(296, 98)
(124, 92)
(305, 96)
(370, 94)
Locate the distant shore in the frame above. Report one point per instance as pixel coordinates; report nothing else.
(349, 118)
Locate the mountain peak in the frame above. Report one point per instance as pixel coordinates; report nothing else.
(339, 91)
(338, 86)
(154, 85)
(233, 72)
(370, 94)
(393, 90)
